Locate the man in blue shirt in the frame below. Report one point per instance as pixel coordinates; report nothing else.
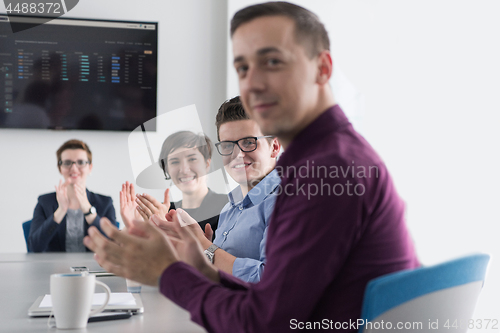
(249, 157)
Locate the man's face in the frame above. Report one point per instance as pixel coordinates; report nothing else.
(277, 79)
(247, 168)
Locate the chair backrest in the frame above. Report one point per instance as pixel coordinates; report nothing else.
(427, 299)
(26, 230)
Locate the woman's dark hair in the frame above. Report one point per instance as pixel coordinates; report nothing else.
(184, 139)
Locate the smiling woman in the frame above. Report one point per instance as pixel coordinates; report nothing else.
(185, 159)
(61, 219)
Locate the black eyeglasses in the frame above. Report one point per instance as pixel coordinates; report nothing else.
(225, 148)
(67, 164)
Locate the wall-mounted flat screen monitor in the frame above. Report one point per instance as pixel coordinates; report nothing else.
(78, 74)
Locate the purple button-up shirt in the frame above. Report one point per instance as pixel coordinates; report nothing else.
(338, 222)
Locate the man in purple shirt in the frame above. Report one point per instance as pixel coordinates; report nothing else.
(338, 221)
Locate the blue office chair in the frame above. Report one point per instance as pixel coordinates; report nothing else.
(26, 230)
(439, 296)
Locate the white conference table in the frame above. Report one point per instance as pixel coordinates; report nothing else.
(24, 277)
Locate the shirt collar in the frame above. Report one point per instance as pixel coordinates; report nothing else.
(329, 121)
(257, 194)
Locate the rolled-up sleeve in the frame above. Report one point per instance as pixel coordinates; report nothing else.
(249, 269)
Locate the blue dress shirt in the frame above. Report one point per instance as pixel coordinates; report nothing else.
(243, 224)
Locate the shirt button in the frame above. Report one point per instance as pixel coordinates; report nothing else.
(225, 233)
(241, 208)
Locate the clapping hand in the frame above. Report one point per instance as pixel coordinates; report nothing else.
(128, 206)
(141, 254)
(147, 206)
(185, 220)
(186, 243)
(62, 196)
(81, 195)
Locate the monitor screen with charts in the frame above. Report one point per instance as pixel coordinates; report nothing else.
(78, 74)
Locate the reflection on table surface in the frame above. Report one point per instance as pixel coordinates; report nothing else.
(25, 276)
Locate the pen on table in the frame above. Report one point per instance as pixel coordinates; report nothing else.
(110, 316)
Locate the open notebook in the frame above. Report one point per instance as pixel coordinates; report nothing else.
(123, 302)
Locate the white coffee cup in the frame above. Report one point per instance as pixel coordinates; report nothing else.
(72, 298)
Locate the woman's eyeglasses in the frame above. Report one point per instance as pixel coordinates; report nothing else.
(67, 164)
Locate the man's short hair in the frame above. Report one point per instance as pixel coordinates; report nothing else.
(309, 31)
(230, 110)
(184, 139)
(73, 144)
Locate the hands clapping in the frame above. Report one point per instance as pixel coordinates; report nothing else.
(145, 250)
(67, 190)
(62, 196)
(81, 196)
(147, 206)
(141, 253)
(139, 206)
(184, 234)
(62, 202)
(128, 206)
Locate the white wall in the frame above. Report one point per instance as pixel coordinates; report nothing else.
(429, 73)
(192, 70)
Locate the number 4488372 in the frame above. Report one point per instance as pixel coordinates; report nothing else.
(34, 8)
